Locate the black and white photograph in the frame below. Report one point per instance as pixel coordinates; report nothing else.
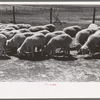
(48, 48)
(59, 43)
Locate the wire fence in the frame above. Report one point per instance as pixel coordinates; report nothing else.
(62, 15)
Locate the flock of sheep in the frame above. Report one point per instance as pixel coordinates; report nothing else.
(24, 38)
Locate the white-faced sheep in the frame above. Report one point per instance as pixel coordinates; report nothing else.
(49, 27)
(3, 39)
(61, 41)
(94, 27)
(81, 37)
(31, 43)
(17, 40)
(92, 42)
(72, 30)
(52, 34)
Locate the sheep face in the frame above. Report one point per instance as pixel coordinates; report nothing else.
(46, 51)
(18, 52)
(78, 46)
(84, 50)
(9, 44)
(50, 27)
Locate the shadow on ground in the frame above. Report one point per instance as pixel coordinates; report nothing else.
(5, 58)
(96, 56)
(37, 57)
(59, 56)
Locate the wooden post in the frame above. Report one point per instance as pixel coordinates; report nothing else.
(14, 15)
(94, 10)
(51, 15)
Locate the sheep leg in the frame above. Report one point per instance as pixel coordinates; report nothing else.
(38, 49)
(32, 51)
(42, 50)
(92, 50)
(92, 53)
(64, 52)
(68, 50)
(5, 52)
(28, 49)
(1, 52)
(52, 53)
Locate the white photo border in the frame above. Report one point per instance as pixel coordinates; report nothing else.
(31, 90)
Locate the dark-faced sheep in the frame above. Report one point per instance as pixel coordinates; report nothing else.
(72, 30)
(50, 27)
(92, 42)
(61, 41)
(31, 43)
(3, 39)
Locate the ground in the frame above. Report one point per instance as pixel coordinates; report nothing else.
(76, 68)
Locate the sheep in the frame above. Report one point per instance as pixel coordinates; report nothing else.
(12, 26)
(8, 29)
(17, 40)
(20, 26)
(62, 41)
(9, 34)
(43, 31)
(3, 39)
(92, 42)
(36, 28)
(72, 30)
(49, 27)
(93, 27)
(30, 43)
(52, 34)
(81, 37)
(23, 30)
